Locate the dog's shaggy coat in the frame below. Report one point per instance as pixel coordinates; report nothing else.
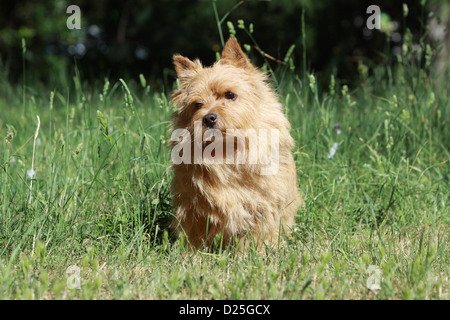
(232, 198)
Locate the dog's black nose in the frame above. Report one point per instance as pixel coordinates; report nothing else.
(210, 120)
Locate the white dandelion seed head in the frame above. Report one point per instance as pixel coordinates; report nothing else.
(31, 174)
(333, 150)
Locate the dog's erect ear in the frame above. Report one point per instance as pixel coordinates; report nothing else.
(184, 67)
(233, 53)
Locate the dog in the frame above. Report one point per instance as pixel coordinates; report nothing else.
(234, 174)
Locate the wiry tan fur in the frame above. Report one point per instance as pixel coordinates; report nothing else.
(232, 200)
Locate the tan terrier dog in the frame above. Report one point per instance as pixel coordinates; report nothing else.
(234, 174)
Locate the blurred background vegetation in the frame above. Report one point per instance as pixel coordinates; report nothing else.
(130, 37)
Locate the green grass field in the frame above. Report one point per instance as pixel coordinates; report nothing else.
(91, 221)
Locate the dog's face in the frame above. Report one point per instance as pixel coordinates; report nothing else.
(224, 96)
(230, 104)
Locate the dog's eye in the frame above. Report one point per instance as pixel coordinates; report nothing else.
(230, 96)
(198, 105)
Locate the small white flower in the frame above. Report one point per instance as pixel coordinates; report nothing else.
(31, 173)
(337, 128)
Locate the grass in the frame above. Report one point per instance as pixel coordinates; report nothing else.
(92, 224)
